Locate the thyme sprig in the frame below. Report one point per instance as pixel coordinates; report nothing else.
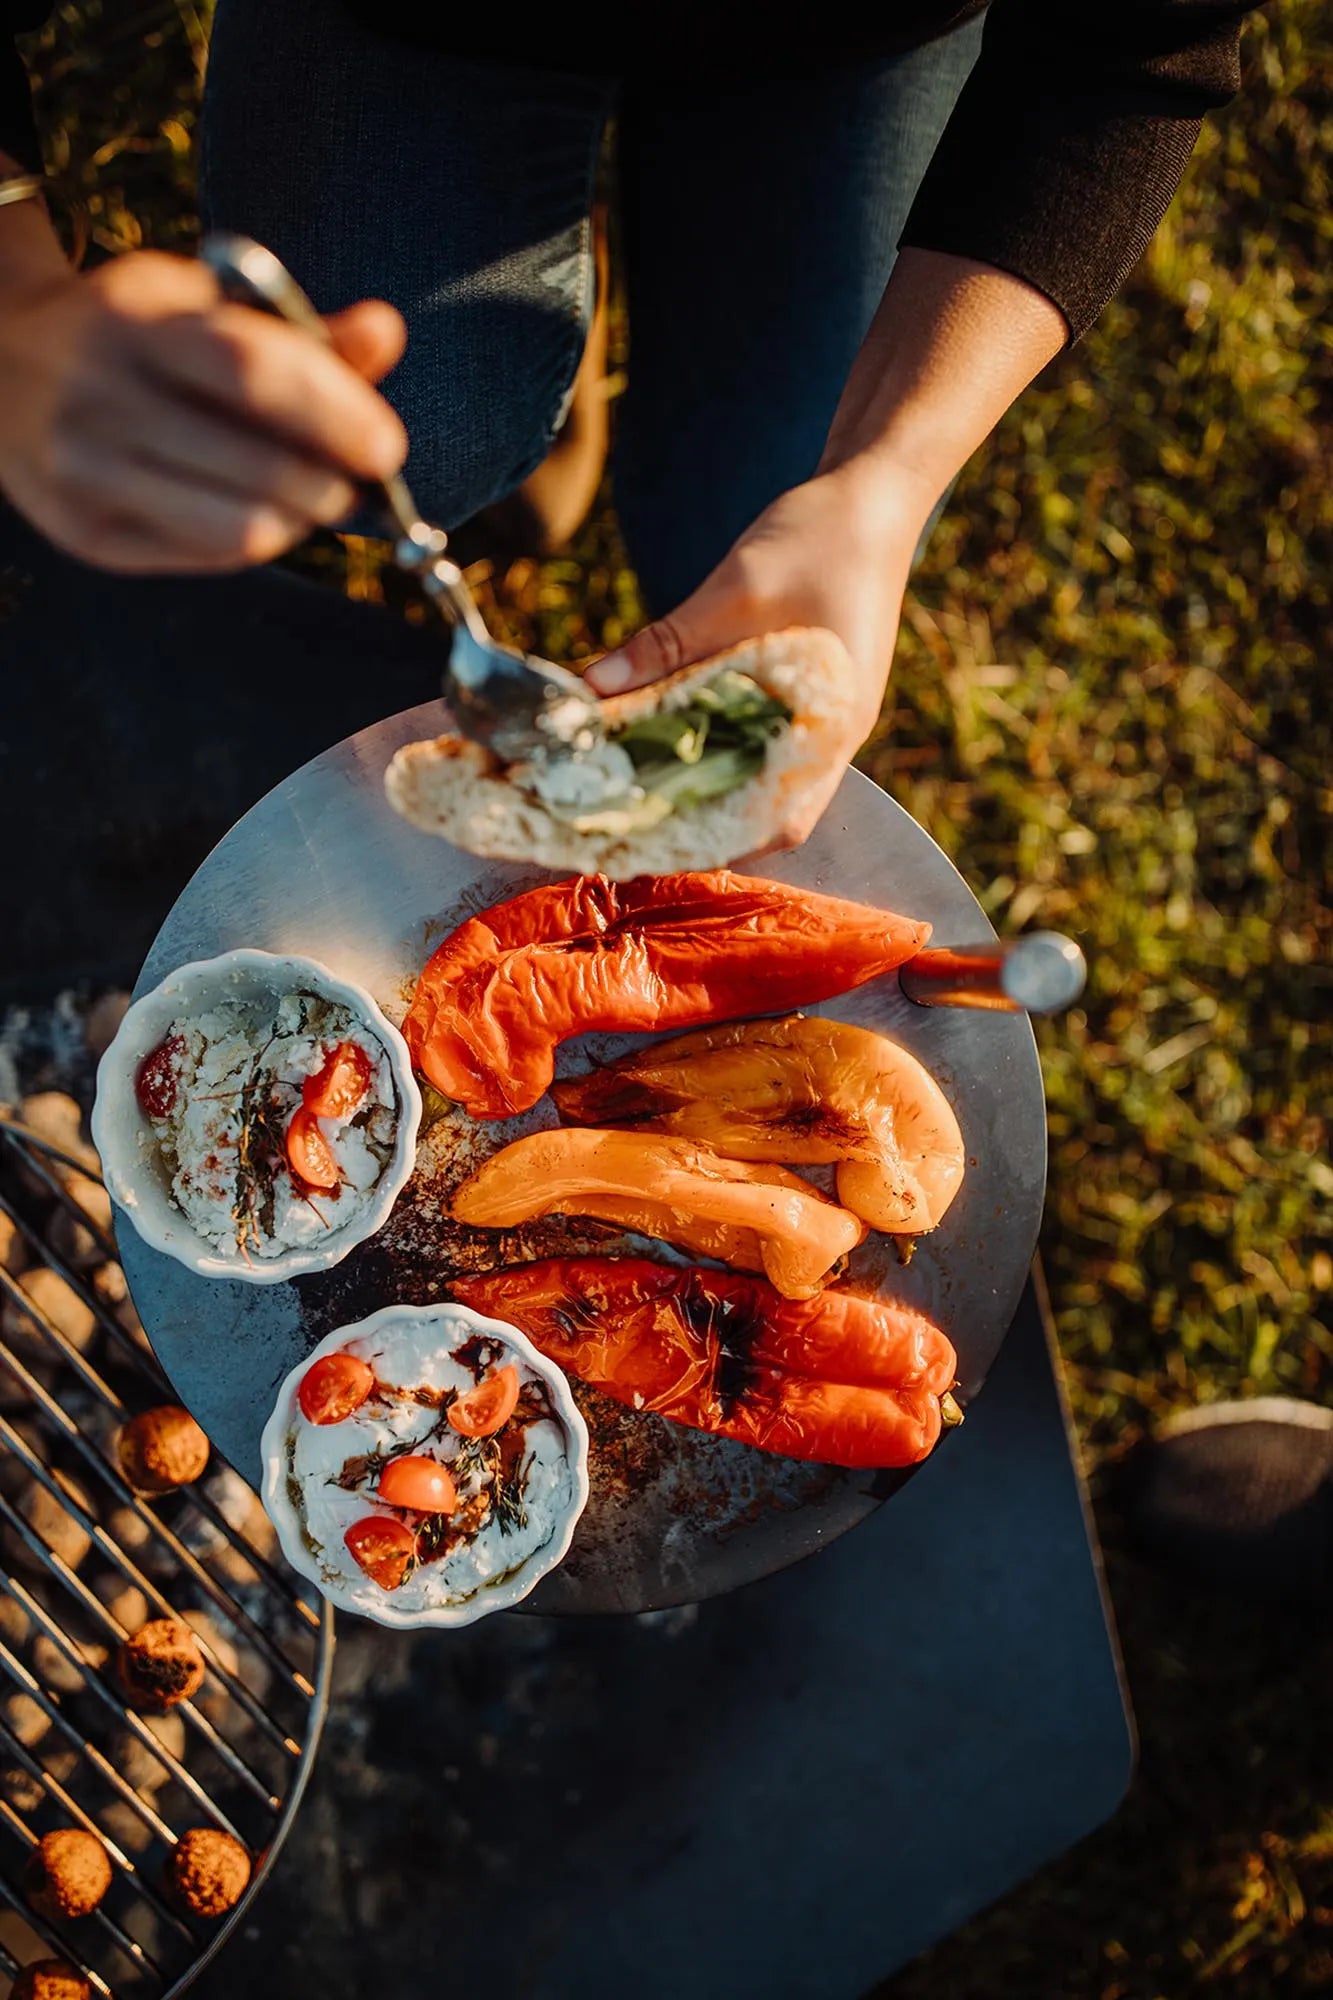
(368, 1465)
(260, 1141)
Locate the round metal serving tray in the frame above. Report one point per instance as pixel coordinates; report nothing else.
(323, 866)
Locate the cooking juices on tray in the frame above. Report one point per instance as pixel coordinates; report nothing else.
(425, 1466)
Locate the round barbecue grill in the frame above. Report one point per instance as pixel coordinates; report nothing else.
(85, 1561)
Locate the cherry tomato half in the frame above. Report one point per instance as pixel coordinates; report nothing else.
(422, 1484)
(337, 1089)
(385, 1549)
(155, 1078)
(487, 1408)
(334, 1386)
(309, 1154)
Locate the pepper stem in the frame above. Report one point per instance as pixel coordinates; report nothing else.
(950, 1414)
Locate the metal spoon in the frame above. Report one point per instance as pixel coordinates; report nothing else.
(1039, 973)
(516, 706)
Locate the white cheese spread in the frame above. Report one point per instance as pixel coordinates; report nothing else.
(238, 1072)
(517, 1492)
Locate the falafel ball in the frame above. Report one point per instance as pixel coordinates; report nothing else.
(69, 1873)
(162, 1448)
(161, 1665)
(50, 1979)
(208, 1871)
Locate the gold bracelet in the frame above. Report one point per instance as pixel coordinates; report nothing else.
(24, 187)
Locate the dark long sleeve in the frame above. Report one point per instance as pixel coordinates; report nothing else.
(1071, 136)
(18, 134)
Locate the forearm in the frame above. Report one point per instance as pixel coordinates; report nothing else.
(954, 342)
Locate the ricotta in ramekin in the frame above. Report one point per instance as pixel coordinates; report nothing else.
(200, 1166)
(320, 1479)
(263, 1051)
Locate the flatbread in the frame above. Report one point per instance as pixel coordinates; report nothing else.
(453, 787)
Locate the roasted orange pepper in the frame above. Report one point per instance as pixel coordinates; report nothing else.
(799, 1090)
(502, 992)
(836, 1379)
(759, 1217)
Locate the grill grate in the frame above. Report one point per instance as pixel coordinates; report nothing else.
(86, 1560)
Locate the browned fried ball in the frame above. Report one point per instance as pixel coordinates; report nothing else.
(161, 1665)
(162, 1449)
(208, 1871)
(69, 1873)
(50, 1979)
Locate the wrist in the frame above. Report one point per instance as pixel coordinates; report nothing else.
(30, 251)
(883, 496)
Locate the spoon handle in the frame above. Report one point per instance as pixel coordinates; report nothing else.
(1038, 973)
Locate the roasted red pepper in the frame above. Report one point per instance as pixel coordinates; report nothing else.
(837, 1379)
(664, 951)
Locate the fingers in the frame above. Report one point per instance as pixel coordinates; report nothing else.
(188, 442)
(370, 336)
(275, 378)
(694, 632)
(722, 612)
(148, 518)
(650, 654)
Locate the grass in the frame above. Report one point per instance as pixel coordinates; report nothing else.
(1111, 704)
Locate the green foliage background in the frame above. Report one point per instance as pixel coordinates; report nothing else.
(1112, 706)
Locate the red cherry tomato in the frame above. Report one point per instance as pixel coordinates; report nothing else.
(487, 1408)
(422, 1484)
(309, 1154)
(337, 1089)
(155, 1079)
(334, 1386)
(385, 1549)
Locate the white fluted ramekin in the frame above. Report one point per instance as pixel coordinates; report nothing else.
(276, 1452)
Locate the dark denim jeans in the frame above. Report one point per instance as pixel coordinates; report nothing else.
(760, 224)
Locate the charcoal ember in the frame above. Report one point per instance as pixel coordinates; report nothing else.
(124, 1602)
(25, 1719)
(109, 1283)
(54, 1667)
(13, 1246)
(52, 1522)
(135, 1761)
(102, 1021)
(15, 1393)
(55, 1117)
(73, 1241)
(15, 1624)
(130, 1532)
(56, 1302)
(130, 1832)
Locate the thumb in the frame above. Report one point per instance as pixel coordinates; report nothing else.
(369, 336)
(697, 628)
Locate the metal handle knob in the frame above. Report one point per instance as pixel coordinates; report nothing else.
(1036, 974)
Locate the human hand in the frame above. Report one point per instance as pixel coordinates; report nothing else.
(835, 552)
(150, 426)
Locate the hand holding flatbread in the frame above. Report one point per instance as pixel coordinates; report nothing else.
(716, 761)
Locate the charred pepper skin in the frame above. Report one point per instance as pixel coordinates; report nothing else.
(497, 998)
(836, 1380)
